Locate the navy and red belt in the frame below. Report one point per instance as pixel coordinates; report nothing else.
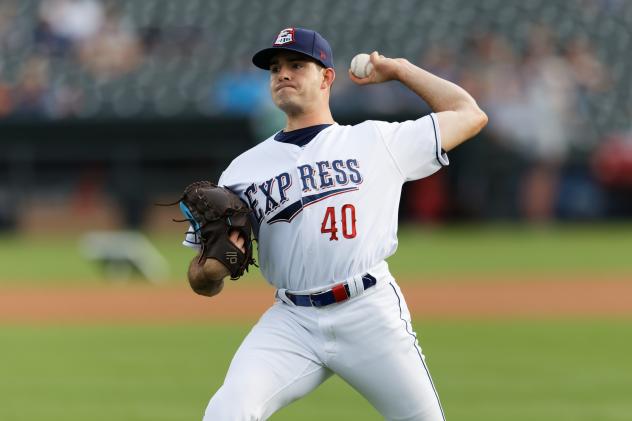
(335, 294)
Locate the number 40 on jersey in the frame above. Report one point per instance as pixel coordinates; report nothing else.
(347, 219)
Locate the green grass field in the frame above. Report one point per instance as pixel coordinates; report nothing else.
(423, 254)
(512, 370)
(487, 371)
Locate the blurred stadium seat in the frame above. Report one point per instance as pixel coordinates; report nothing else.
(170, 54)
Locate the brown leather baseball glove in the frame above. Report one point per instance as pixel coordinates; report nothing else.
(214, 212)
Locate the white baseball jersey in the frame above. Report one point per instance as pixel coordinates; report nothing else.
(327, 210)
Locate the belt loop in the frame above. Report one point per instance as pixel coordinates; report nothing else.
(356, 287)
(353, 289)
(280, 293)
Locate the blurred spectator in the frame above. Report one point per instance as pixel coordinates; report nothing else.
(6, 104)
(65, 101)
(113, 50)
(241, 91)
(549, 98)
(65, 23)
(32, 87)
(7, 22)
(590, 80)
(612, 166)
(75, 20)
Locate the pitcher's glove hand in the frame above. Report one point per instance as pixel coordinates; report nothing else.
(214, 213)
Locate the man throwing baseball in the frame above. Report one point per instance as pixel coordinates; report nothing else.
(324, 200)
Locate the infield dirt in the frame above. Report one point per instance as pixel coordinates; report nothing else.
(481, 300)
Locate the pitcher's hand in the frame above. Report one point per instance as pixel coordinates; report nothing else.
(384, 69)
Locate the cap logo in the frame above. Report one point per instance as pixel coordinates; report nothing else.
(286, 36)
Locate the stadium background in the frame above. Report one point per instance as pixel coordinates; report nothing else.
(107, 107)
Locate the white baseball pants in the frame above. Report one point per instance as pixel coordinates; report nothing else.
(367, 340)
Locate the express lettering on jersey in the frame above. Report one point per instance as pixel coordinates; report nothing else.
(317, 182)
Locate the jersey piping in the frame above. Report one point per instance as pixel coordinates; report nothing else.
(440, 151)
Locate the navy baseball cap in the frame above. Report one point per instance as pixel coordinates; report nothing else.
(304, 41)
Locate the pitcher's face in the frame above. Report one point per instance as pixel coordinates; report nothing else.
(296, 82)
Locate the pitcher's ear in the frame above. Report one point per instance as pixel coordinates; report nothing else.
(329, 74)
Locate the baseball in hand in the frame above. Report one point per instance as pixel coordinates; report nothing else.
(361, 65)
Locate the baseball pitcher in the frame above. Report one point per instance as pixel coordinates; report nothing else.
(322, 200)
